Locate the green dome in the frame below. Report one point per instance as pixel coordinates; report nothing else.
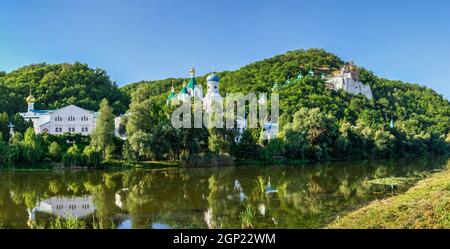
(192, 83)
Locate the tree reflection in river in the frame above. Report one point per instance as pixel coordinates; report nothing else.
(306, 196)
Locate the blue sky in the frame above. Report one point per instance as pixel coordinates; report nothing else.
(143, 40)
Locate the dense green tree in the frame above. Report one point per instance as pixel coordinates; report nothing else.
(92, 157)
(73, 157)
(32, 147)
(102, 138)
(295, 142)
(56, 86)
(55, 151)
(4, 151)
(20, 125)
(4, 129)
(246, 147)
(217, 142)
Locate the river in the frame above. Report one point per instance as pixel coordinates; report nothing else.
(307, 196)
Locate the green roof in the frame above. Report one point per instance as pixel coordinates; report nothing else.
(192, 83)
(184, 90)
(172, 95)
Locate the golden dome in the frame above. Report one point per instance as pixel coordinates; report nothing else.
(30, 99)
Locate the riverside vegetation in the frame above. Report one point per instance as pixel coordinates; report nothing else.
(317, 124)
(426, 205)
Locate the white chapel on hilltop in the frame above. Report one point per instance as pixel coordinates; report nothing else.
(348, 80)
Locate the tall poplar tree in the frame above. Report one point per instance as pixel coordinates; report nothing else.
(103, 135)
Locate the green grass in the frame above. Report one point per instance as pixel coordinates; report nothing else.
(394, 181)
(426, 205)
(63, 223)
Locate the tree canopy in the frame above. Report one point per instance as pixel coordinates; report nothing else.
(59, 85)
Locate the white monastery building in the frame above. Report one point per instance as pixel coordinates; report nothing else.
(348, 80)
(69, 119)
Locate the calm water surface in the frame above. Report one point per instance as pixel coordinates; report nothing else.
(307, 196)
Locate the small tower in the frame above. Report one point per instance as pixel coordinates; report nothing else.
(300, 76)
(172, 95)
(311, 73)
(192, 72)
(194, 89)
(30, 101)
(192, 82)
(212, 94)
(213, 84)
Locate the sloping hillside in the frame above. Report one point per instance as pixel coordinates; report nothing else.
(415, 108)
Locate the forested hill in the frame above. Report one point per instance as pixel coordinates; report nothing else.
(415, 109)
(55, 86)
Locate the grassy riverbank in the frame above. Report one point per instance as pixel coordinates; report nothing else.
(426, 205)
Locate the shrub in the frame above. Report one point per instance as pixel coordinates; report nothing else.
(92, 157)
(72, 157)
(55, 151)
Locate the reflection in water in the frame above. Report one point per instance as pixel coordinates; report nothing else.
(307, 196)
(65, 207)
